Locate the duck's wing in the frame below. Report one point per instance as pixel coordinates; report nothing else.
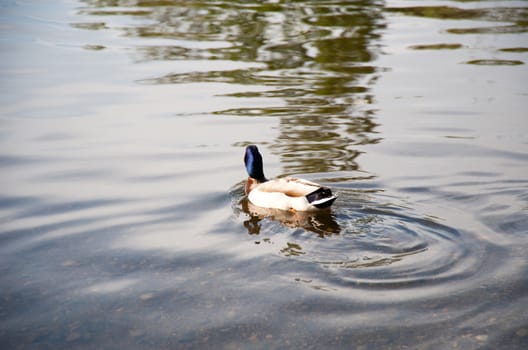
(291, 187)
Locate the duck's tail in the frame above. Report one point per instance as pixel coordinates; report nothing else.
(321, 198)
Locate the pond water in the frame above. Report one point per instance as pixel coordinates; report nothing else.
(123, 222)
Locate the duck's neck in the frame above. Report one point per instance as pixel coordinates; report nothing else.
(255, 171)
(250, 185)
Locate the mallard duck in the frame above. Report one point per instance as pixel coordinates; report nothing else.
(282, 193)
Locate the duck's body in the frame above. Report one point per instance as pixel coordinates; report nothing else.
(282, 193)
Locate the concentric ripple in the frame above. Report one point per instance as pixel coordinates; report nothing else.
(367, 240)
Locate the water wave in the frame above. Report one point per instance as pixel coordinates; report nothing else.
(368, 240)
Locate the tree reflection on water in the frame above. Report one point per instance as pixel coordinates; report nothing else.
(313, 65)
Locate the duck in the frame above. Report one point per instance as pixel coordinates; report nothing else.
(287, 193)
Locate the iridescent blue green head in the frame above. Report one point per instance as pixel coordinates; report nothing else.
(254, 165)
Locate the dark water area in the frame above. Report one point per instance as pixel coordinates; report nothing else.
(123, 220)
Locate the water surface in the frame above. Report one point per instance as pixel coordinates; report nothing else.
(123, 222)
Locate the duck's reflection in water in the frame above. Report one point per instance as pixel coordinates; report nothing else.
(321, 222)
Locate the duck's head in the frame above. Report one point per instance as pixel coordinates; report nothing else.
(254, 165)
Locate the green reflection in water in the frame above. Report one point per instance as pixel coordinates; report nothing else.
(515, 49)
(498, 14)
(292, 249)
(510, 29)
(495, 62)
(90, 25)
(436, 47)
(442, 12)
(313, 58)
(515, 15)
